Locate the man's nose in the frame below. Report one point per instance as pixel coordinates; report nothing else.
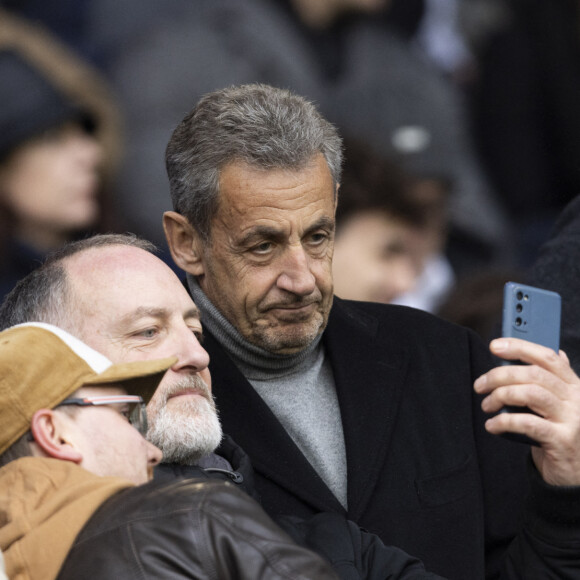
(295, 275)
(190, 354)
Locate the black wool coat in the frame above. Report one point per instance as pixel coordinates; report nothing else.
(423, 474)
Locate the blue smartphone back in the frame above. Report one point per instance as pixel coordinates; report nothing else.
(532, 314)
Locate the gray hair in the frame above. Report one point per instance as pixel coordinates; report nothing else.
(44, 295)
(260, 125)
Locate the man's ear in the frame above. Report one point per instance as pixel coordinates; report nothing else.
(52, 436)
(184, 243)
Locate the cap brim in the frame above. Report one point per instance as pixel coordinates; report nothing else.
(139, 378)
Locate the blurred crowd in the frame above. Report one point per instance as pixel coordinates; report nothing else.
(462, 137)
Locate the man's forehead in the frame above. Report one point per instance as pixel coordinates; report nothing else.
(130, 281)
(108, 268)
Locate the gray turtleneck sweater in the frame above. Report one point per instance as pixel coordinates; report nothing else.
(298, 388)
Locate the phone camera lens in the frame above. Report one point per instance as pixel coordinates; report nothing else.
(519, 308)
(519, 295)
(518, 321)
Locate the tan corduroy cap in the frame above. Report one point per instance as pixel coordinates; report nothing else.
(41, 365)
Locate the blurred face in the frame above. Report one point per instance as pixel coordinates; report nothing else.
(376, 257)
(267, 267)
(131, 306)
(322, 13)
(109, 444)
(50, 183)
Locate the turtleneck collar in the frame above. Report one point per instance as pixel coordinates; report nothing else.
(254, 358)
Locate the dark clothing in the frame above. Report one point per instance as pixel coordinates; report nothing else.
(16, 262)
(526, 116)
(558, 268)
(241, 473)
(354, 553)
(423, 474)
(526, 106)
(187, 529)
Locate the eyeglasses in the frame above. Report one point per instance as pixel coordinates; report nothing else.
(133, 408)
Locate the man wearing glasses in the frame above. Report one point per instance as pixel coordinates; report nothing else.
(73, 460)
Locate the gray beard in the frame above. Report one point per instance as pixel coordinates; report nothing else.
(187, 432)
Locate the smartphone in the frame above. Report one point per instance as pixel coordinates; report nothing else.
(531, 314)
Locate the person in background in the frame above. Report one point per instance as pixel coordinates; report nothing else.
(59, 146)
(437, 252)
(75, 495)
(368, 408)
(378, 229)
(390, 230)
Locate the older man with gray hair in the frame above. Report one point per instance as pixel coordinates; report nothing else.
(374, 411)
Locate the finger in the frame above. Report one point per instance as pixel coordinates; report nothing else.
(537, 399)
(521, 375)
(533, 354)
(536, 428)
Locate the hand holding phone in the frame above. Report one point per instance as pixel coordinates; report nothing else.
(532, 314)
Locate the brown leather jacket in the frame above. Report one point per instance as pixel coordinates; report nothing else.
(202, 529)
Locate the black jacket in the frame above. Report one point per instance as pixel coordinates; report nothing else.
(423, 474)
(241, 473)
(558, 268)
(187, 529)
